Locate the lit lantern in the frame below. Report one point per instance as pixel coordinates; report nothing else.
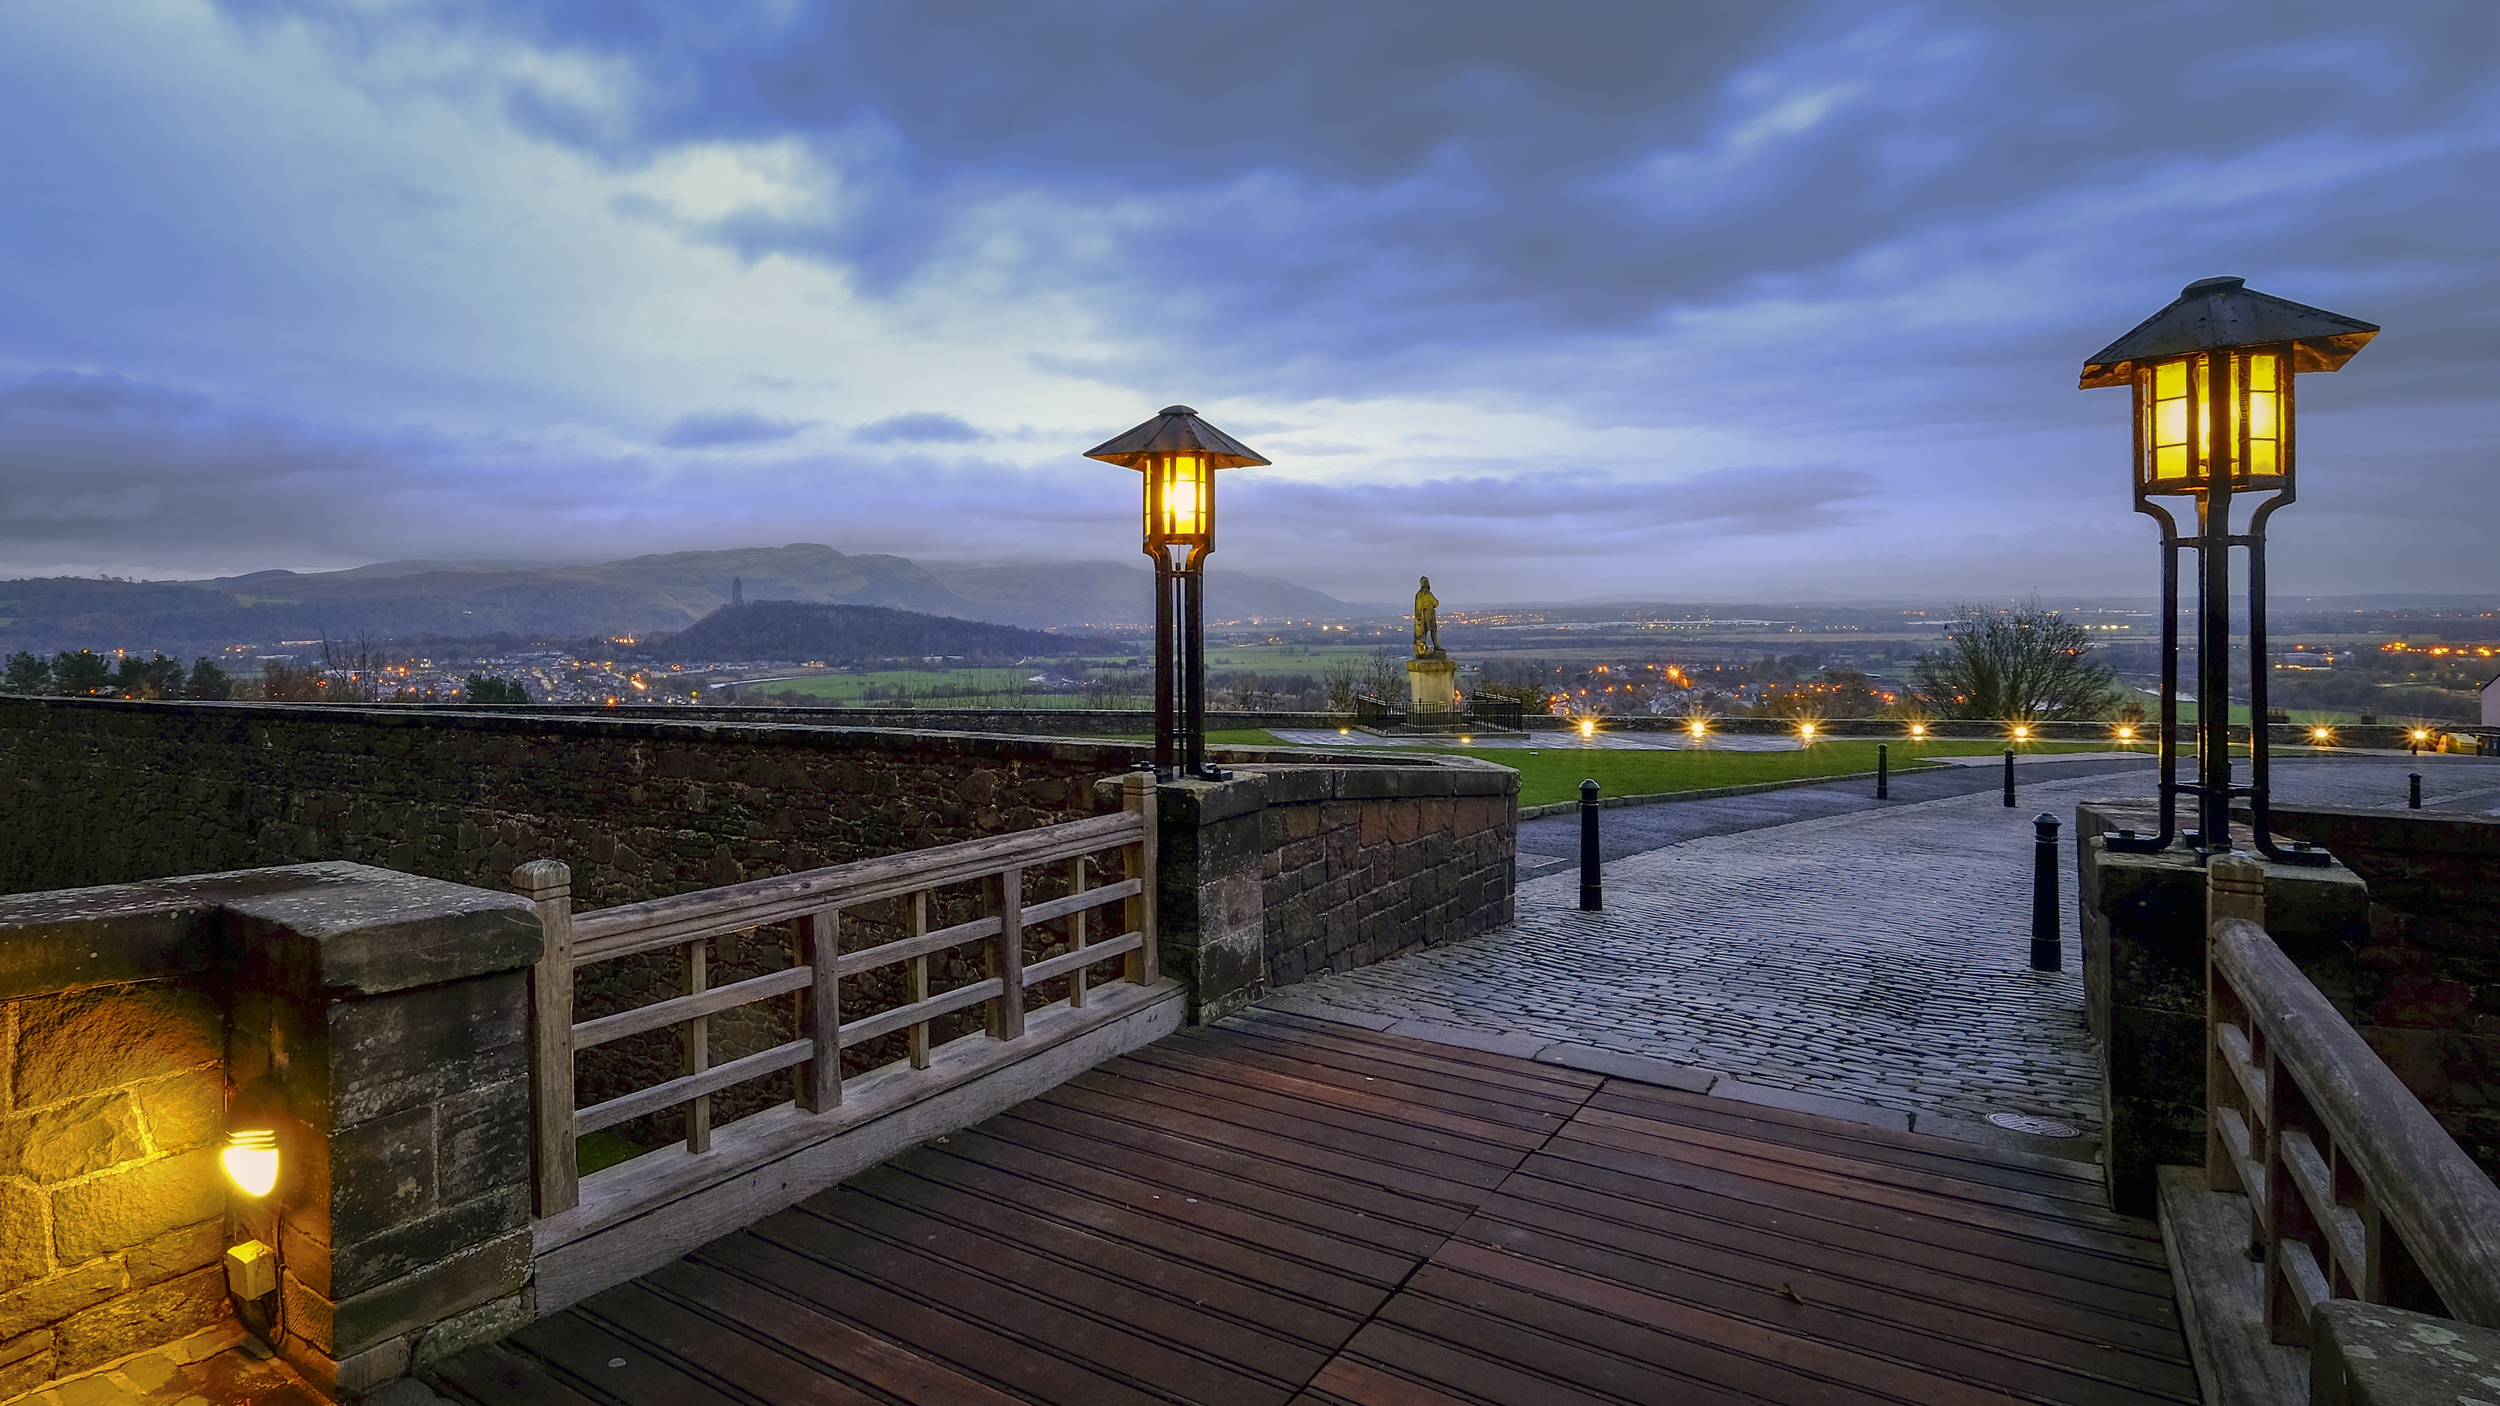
(1806, 731)
(1177, 455)
(1918, 729)
(1588, 727)
(250, 1160)
(2212, 377)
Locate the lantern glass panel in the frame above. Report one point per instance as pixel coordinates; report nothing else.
(2171, 410)
(2265, 416)
(1181, 507)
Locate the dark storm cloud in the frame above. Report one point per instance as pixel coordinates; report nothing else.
(1294, 194)
(711, 429)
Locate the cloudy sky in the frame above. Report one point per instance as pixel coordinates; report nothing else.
(1547, 300)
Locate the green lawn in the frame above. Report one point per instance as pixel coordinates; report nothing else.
(1551, 774)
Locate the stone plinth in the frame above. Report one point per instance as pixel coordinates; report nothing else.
(1432, 690)
(2143, 919)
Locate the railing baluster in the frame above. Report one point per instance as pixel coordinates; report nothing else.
(556, 1181)
(1079, 930)
(1137, 796)
(698, 1048)
(1006, 954)
(820, 1010)
(916, 924)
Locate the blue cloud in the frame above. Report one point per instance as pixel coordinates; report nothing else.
(917, 427)
(713, 429)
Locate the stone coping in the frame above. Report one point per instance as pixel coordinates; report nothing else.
(332, 928)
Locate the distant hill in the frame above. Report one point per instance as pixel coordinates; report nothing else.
(852, 634)
(636, 596)
(1119, 593)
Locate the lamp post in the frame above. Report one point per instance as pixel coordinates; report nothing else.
(1177, 454)
(2212, 376)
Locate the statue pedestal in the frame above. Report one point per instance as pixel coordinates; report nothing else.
(1432, 690)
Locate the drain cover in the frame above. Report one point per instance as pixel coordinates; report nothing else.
(2037, 1127)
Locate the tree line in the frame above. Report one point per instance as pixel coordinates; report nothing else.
(87, 674)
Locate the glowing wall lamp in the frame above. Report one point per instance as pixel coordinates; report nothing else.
(250, 1160)
(2212, 377)
(1177, 454)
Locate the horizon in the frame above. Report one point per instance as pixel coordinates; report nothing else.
(1569, 306)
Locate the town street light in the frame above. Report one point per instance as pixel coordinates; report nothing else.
(1177, 454)
(2212, 375)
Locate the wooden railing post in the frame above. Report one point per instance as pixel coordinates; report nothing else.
(820, 1009)
(1006, 954)
(916, 924)
(556, 1181)
(696, 1058)
(1079, 929)
(1137, 796)
(2235, 887)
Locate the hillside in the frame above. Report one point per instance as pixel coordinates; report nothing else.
(636, 596)
(852, 634)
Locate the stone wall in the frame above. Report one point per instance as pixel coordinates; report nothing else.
(112, 1219)
(374, 1020)
(102, 791)
(2422, 985)
(1289, 871)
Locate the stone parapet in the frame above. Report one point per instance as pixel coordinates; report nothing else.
(1288, 872)
(2144, 953)
(374, 1019)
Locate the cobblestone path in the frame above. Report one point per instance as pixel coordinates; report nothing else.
(1875, 961)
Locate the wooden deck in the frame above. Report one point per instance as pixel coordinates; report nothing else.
(1289, 1211)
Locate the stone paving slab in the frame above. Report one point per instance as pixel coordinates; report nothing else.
(1871, 962)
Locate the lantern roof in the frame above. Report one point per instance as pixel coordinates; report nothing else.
(1176, 430)
(2214, 313)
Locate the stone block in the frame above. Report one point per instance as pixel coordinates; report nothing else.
(177, 1251)
(446, 1287)
(381, 1174)
(368, 931)
(485, 1323)
(182, 1110)
(161, 1313)
(72, 1139)
(88, 1042)
(482, 1140)
(2364, 1354)
(397, 1051)
(408, 1246)
(29, 1371)
(25, 1235)
(135, 1205)
(48, 1301)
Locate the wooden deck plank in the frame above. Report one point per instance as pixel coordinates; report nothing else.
(1466, 1090)
(1164, 1296)
(1390, 1133)
(1874, 1146)
(1171, 1223)
(1472, 1115)
(1280, 1210)
(1707, 1235)
(1319, 1149)
(2042, 1224)
(841, 1347)
(732, 1359)
(1167, 1362)
(1826, 1160)
(613, 1367)
(1860, 1317)
(1357, 1212)
(1016, 1363)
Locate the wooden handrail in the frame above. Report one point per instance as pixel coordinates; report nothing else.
(2355, 1191)
(813, 903)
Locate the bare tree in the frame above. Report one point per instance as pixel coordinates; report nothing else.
(2023, 665)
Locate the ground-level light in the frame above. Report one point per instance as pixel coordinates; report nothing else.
(250, 1160)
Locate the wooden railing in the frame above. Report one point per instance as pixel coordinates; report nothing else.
(813, 904)
(2354, 1190)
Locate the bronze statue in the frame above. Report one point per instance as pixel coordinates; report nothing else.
(1427, 621)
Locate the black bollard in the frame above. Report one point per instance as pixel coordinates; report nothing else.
(1883, 771)
(2044, 945)
(1592, 889)
(2009, 778)
(2416, 802)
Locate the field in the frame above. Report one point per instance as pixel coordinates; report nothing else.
(961, 688)
(1551, 774)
